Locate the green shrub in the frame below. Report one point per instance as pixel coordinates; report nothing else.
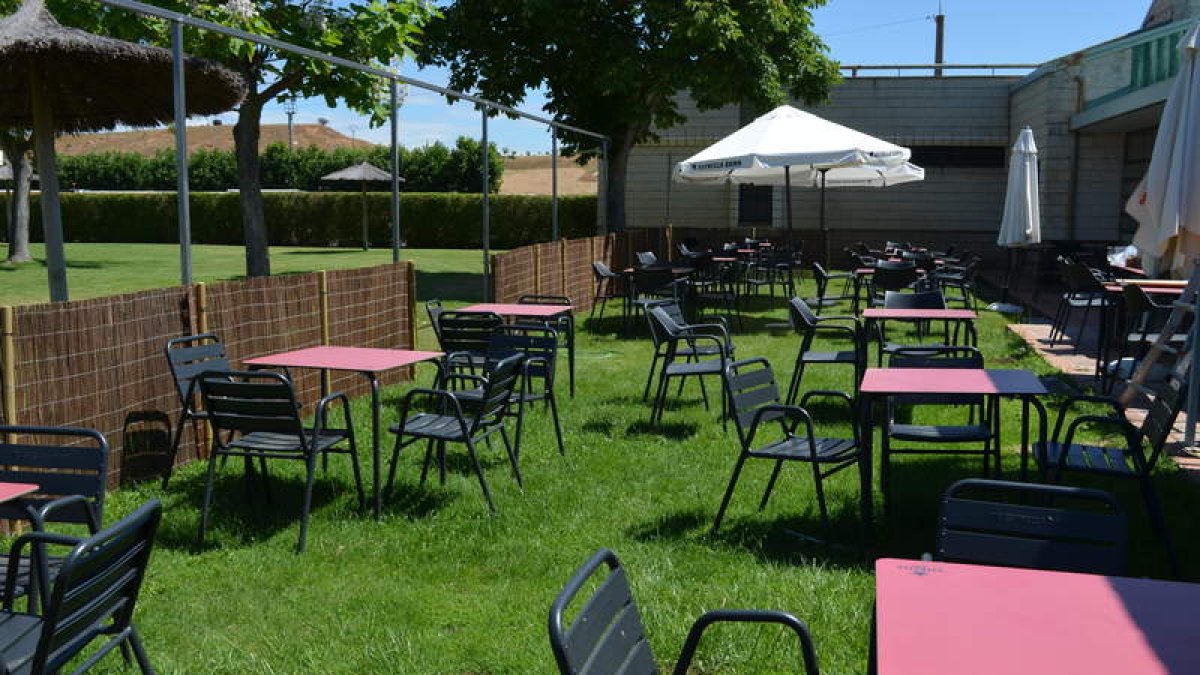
(427, 220)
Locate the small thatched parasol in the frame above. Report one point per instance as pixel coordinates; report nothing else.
(54, 78)
(362, 174)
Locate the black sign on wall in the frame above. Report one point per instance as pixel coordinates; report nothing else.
(754, 205)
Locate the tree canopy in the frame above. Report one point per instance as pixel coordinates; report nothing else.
(616, 66)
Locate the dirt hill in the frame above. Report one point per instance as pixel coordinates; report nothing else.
(149, 141)
(529, 175)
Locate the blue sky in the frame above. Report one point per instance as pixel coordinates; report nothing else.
(857, 32)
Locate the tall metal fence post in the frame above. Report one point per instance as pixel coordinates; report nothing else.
(395, 95)
(8, 376)
(553, 184)
(487, 216)
(182, 189)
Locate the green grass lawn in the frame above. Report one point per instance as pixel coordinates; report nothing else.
(439, 586)
(106, 269)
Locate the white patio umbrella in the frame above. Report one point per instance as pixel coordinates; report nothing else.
(787, 146)
(1166, 203)
(1021, 224)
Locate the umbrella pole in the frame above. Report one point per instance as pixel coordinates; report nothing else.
(787, 203)
(43, 131)
(824, 229)
(363, 198)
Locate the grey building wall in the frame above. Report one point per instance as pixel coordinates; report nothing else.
(912, 111)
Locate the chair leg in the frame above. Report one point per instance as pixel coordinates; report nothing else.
(650, 375)
(660, 398)
(358, 481)
(391, 479)
(139, 652)
(520, 431)
(487, 493)
(175, 441)
(771, 484)
(557, 424)
(208, 488)
(310, 479)
(885, 472)
(737, 472)
(513, 458)
(794, 385)
(824, 509)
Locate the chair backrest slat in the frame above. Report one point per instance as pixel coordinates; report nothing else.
(62, 461)
(750, 385)
(467, 331)
(1037, 526)
(190, 356)
(247, 402)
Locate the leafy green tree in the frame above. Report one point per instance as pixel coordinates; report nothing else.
(615, 66)
(16, 145)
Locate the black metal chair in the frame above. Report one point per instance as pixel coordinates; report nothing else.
(917, 300)
(466, 417)
(1061, 454)
(1084, 291)
(70, 468)
(979, 430)
(255, 415)
(563, 325)
(660, 339)
(467, 333)
(647, 287)
(647, 258)
(768, 429)
(681, 339)
(809, 327)
(715, 287)
(187, 357)
(822, 279)
(537, 344)
(606, 634)
(91, 599)
(609, 286)
(1049, 527)
(1139, 328)
(890, 276)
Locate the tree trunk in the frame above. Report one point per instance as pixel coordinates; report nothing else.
(254, 224)
(618, 164)
(17, 152)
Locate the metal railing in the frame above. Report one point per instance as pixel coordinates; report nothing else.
(853, 69)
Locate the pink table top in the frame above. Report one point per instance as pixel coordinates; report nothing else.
(938, 618)
(10, 491)
(725, 259)
(358, 359)
(1151, 289)
(1131, 270)
(747, 251)
(518, 310)
(935, 314)
(950, 381)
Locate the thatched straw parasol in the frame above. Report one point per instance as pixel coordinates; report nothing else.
(54, 78)
(362, 174)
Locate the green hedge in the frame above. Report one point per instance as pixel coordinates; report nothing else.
(427, 220)
(432, 168)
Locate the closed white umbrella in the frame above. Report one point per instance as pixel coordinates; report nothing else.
(1021, 224)
(788, 146)
(1166, 203)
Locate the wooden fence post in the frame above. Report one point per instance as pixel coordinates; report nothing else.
(537, 268)
(412, 304)
(562, 266)
(201, 307)
(323, 304)
(8, 377)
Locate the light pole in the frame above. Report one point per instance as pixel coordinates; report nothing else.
(289, 107)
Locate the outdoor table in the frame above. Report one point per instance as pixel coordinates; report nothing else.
(11, 491)
(960, 317)
(879, 383)
(1161, 288)
(366, 361)
(937, 618)
(542, 312)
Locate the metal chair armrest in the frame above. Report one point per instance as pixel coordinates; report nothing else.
(323, 405)
(39, 571)
(841, 396)
(39, 517)
(709, 618)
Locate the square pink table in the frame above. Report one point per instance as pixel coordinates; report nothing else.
(878, 383)
(936, 618)
(11, 491)
(369, 362)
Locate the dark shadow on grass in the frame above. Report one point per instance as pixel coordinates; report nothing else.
(676, 431)
(449, 286)
(415, 501)
(145, 446)
(603, 427)
(792, 540)
(328, 251)
(82, 264)
(243, 518)
(671, 526)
